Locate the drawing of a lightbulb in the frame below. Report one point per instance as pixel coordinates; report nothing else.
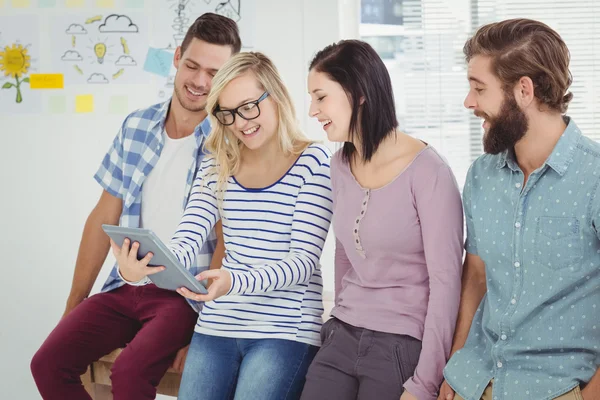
(100, 51)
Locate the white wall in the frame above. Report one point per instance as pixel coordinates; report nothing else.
(47, 190)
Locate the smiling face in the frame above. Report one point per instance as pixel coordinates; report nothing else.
(195, 69)
(504, 123)
(259, 131)
(330, 105)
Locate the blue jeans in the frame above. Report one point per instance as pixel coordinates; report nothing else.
(219, 368)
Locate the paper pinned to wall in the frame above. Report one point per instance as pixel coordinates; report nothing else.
(19, 52)
(74, 3)
(57, 104)
(105, 3)
(118, 104)
(158, 61)
(100, 48)
(46, 81)
(20, 3)
(84, 103)
(174, 17)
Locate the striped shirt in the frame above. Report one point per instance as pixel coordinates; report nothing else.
(273, 237)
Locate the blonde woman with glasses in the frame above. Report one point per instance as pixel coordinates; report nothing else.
(270, 185)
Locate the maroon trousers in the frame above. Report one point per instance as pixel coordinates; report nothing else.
(152, 323)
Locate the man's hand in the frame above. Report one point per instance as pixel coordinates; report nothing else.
(221, 284)
(446, 392)
(179, 361)
(588, 394)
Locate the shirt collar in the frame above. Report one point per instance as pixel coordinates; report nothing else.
(201, 131)
(561, 156)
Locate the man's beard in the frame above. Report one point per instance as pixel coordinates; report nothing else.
(506, 129)
(184, 102)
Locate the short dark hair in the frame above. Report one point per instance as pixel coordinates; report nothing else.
(524, 47)
(357, 67)
(214, 29)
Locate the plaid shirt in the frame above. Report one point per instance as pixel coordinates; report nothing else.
(130, 159)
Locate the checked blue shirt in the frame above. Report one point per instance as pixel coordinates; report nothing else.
(132, 155)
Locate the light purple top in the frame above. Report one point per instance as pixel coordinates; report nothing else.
(398, 259)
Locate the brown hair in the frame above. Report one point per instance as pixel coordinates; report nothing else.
(524, 47)
(214, 29)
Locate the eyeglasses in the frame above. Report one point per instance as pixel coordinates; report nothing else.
(247, 111)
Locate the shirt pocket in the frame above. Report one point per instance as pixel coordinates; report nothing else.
(558, 243)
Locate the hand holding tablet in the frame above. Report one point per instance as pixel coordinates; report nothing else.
(174, 275)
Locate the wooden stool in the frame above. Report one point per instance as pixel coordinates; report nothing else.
(97, 379)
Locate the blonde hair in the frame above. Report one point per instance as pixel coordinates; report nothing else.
(224, 146)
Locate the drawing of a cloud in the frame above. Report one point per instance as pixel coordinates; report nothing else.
(126, 61)
(97, 78)
(118, 23)
(76, 29)
(71, 55)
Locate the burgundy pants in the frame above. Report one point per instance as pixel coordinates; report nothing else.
(152, 323)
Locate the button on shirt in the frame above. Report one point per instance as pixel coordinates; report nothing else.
(537, 330)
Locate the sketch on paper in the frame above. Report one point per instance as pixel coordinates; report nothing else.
(19, 49)
(176, 16)
(100, 49)
(15, 62)
(182, 13)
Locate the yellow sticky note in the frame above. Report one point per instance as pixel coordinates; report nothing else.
(46, 81)
(105, 3)
(21, 3)
(74, 3)
(84, 103)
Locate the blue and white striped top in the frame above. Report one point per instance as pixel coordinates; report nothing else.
(274, 237)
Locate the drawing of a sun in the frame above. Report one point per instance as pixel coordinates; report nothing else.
(14, 61)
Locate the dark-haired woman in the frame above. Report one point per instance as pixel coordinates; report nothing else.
(399, 231)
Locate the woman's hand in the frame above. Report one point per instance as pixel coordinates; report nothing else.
(220, 285)
(130, 268)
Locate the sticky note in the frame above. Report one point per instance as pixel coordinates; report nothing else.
(158, 62)
(74, 3)
(57, 104)
(134, 3)
(46, 81)
(46, 3)
(105, 3)
(84, 103)
(20, 3)
(118, 104)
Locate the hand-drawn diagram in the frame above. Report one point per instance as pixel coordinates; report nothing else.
(100, 49)
(19, 48)
(175, 17)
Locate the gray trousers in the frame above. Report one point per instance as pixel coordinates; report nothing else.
(357, 363)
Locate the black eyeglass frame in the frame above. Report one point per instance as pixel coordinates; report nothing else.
(236, 111)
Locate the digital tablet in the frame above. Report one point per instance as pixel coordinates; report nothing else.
(174, 276)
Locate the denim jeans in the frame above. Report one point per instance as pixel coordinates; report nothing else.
(219, 368)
